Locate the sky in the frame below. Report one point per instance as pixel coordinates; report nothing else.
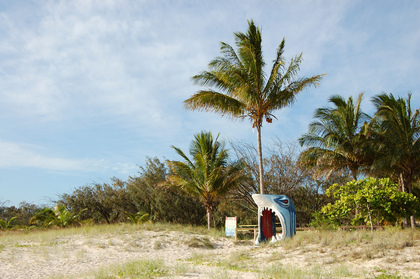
(89, 89)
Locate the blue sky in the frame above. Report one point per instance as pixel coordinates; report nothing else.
(88, 89)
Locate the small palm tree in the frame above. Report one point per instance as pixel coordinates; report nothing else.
(42, 217)
(243, 89)
(208, 175)
(337, 140)
(4, 224)
(59, 216)
(138, 218)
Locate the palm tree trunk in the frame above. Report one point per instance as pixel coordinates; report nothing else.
(260, 159)
(370, 218)
(413, 221)
(354, 174)
(410, 190)
(402, 183)
(208, 218)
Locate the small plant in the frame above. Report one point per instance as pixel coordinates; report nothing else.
(6, 224)
(137, 269)
(385, 275)
(138, 218)
(58, 216)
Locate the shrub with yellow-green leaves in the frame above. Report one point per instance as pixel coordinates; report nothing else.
(368, 201)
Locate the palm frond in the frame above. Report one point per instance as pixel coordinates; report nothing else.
(215, 102)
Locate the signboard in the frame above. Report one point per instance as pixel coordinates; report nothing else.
(230, 226)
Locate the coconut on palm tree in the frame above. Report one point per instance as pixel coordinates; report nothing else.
(208, 175)
(242, 89)
(337, 140)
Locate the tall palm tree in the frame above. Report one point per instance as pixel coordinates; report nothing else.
(337, 140)
(243, 90)
(208, 175)
(397, 130)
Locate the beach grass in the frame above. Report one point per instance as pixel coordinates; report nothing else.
(326, 254)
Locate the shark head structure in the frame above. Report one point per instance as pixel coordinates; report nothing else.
(271, 207)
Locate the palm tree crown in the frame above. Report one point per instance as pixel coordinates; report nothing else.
(397, 129)
(243, 90)
(208, 175)
(337, 139)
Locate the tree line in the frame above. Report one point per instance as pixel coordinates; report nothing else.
(152, 192)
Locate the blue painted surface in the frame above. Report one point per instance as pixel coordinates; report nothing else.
(283, 207)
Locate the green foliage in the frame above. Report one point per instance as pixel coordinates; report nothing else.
(396, 130)
(336, 140)
(209, 175)
(322, 222)
(368, 201)
(163, 204)
(22, 214)
(138, 218)
(4, 224)
(135, 269)
(103, 202)
(59, 216)
(385, 275)
(385, 145)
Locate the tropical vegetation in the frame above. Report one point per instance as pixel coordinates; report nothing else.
(369, 200)
(4, 224)
(58, 216)
(337, 140)
(208, 175)
(396, 129)
(385, 145)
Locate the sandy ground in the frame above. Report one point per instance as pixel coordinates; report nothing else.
(79, 255)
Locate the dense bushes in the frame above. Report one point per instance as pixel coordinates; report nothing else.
(21, 215)
(150, 195)
(368, 201)
(145, 193)
(103, 202)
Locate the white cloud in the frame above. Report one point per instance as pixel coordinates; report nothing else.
(14, 155)
(22, 155)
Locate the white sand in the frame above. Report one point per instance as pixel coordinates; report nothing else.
(78, 255)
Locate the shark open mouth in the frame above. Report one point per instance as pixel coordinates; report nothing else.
(271, 208)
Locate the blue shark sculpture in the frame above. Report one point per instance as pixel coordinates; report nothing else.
(270, 206)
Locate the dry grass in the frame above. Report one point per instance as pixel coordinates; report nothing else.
(390, 238)
(392, 253)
